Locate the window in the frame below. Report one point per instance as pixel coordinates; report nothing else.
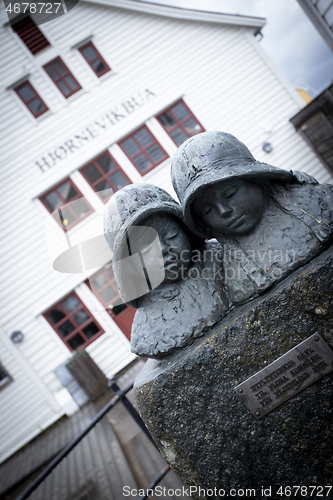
(31, 35)
(62, 77)
(4, 377)
(31, 99)
(66, 204)
(103, 174)
(103, 286)
(73, 323)
(143, 150)
(94, 59)
(179, 123)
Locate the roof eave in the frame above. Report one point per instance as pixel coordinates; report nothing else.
(183, 13)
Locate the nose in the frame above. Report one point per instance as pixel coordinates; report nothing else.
(223, 209)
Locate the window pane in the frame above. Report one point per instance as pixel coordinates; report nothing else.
(89, 52)
(108, 294)
(155, 153)
(52, 72)
(66, 217)
(322, 5)
(98, 66)
(98, 281)
(179, 136)
(66, 328)
(192, 126)
(180, 111)
(71, 303)
(76, 341)
(60, 67)
(55, 315)
(167, 120)
(106, 163)
(130, 147)
(53, 201)
(329, 16)
(36, 106)
(26, 92)
(118, 179)
(92, 173)
(90, 330)
(142, 163)
(67, 191)
(80, 207)
(81, 316)
(71, 83)
(104, 189)
(102, 186)
(63, 87)
(143, 137)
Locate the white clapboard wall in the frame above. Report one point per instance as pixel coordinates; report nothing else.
(157, 55)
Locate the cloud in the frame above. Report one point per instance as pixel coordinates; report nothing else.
(296, 47)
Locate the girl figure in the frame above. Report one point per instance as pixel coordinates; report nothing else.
(269, 221)
(161, 268)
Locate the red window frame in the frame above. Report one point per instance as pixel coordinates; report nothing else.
(28, 102)
(179, 123)
(91, 61)
(58, 212)
(143, 150)
(59, 79)
(78, 327)
(31, 35)
(107, 272)
(103, 176)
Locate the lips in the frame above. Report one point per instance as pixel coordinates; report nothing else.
(234, 221)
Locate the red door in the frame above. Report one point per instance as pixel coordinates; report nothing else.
(123, 315)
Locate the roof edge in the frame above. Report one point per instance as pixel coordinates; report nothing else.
(183, 13)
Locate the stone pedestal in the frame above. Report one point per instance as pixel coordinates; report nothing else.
(202, 427)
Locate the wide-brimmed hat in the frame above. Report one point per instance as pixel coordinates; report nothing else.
(132, 204)
(212, 157)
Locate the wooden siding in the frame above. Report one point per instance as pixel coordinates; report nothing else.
(22, 404)
(219, 72)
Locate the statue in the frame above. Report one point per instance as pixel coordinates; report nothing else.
(268, 221)
(162, 269)
(218, 315)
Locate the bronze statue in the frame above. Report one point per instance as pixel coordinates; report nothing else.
(269, 221)
(169, 274)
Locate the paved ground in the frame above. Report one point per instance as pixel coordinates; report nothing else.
(107, 459)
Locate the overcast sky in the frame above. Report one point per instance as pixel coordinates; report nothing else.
(290, 38)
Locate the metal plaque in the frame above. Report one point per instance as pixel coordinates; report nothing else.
(287, 376)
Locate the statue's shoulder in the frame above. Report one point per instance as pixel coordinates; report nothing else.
(314, 195)
(312, 204)
(210, 251)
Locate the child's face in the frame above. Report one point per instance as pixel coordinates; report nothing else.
(174, 243)
(232, 207)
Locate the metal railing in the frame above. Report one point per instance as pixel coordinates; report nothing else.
(120, 395)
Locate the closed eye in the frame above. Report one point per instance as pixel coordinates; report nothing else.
(206, 209)
(171, 236)
(230, 193)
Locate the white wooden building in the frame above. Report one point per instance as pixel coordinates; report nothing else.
(101, 99)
